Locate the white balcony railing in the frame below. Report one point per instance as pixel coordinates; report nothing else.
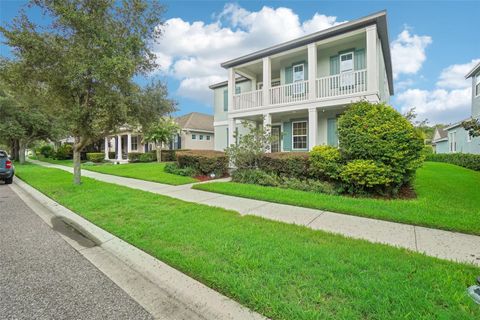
(325, 87)
(247, 100)
(288, 93)
(341, 84)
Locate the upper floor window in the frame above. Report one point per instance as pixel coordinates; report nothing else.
(477, 85)
(194, 137)
(201, 137)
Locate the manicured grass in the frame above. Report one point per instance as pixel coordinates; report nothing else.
(282, 271)
(152, 171)
(448, 197)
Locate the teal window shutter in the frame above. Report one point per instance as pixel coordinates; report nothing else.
(359, 59)
(287, 136)
(305, 69)
(288, 75)
(238, 90)
(332, 138)
(227, 139)
(225, 100)
(334, 65)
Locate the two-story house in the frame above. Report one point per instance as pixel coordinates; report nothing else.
(300, 87)
(455, 138)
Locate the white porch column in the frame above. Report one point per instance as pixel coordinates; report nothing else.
(267, 80)
(129, 143)
(231, 88)
(106, 148)
(372, 60)
(119, 147)
(312, 71)
(231, 132)
(312, 128)
(267, 126)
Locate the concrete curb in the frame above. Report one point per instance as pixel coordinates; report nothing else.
(162, 290)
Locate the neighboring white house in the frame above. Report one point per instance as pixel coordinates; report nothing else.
(455, 138)
(196, 134)
(300, 87)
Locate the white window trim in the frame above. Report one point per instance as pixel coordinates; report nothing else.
(306, 135)
(200, 137)
(340, 61)
(194, 136)
(303, 72)
(452, 147)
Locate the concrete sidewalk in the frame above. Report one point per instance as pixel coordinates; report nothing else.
(433, 242)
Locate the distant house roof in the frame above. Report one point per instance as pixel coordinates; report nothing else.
(440, 135)
(196, 121)
(473, 71)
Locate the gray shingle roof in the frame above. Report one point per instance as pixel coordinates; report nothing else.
(196, 121)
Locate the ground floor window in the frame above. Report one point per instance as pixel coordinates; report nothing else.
(208, 137)
(194, 137)
(299, 134)
(134, 142)
(201, 137)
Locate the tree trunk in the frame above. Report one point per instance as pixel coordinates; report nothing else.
(159, 153)
(21, 152)
(77, 149)
(15, 155)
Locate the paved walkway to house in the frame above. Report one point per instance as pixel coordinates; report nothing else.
(433, 242)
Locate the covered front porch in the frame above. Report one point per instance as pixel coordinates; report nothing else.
(297, 131)
(121, 144)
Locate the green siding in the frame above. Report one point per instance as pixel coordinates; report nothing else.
(332, 139)
(225, 100)
(287, 136)
(288, 75)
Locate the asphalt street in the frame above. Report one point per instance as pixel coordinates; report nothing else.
(43, 277)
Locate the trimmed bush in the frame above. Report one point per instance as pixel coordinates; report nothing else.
(364, 176)
(288, 164)
(111, 155)
(204, 162)
(46, 151)
(64, 152)
(96, 157)
(379, 133)
(466, 160)
(260, 177)
(325, 162)
(151, 156)
(172, 167)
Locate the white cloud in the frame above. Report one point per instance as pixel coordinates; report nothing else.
(448, 102)
(192, 51)
(408, 52)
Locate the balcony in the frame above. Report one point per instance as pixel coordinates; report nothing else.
(298, 92)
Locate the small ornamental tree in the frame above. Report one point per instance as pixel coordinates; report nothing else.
(472, 126)
(251, 146)
(162, 133)
(380, 134)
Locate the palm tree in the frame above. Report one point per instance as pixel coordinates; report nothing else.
(162, 133)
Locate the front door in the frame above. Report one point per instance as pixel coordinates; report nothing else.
(275, 147)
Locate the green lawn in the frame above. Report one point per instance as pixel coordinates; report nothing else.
(282, 271)
(151, 171)
(448, 197)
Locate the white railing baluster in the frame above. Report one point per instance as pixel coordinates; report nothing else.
(339, 85)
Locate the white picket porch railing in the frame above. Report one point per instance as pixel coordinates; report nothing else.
(292, 92)
(247, 100)
(325, 87)
(341, 84)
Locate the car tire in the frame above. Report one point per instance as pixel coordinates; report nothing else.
(9, 180)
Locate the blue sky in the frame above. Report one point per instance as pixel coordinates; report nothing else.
(433, 45)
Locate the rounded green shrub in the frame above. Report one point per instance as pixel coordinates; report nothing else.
(95, 157)
(379, 133)
(64, 152)
(365, 176)
(325, 161)
(46, 151)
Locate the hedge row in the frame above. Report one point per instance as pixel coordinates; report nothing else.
(288, 164)
(203, 162)
(466, 160)
(151, 156)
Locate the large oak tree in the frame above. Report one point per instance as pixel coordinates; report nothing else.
(83, 63)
